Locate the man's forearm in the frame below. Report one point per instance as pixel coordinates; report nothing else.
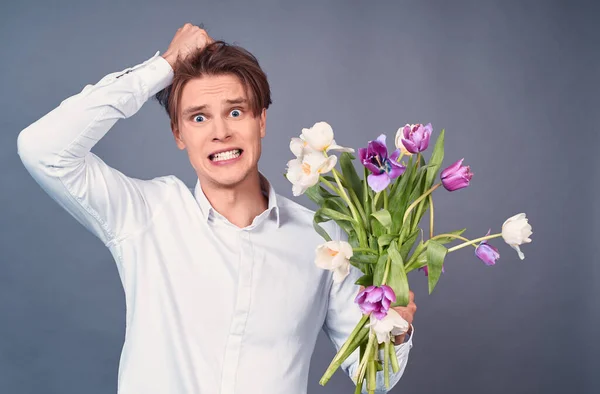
(79, 122)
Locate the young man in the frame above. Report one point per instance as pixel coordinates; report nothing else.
(221, 288)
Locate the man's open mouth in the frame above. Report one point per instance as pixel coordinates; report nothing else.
(225, 155)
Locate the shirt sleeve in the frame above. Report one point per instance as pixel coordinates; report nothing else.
(56, 151)
(342, 316)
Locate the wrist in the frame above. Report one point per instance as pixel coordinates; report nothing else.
(170, 58)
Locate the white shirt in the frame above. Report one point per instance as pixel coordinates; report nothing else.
(211, 307)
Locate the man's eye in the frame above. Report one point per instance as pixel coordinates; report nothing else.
(236, 113)
(201, 117)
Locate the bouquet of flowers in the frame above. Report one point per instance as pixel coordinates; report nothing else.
(380, 212)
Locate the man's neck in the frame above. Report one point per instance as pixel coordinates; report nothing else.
(239, 204)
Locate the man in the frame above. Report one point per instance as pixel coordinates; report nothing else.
(222, 294)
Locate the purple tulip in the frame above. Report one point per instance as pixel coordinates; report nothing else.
(416, 137)
(426, 270)
(384, 169)
(487, 253)
(456, 176)
(376, 300)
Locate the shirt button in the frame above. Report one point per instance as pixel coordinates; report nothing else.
(245, 235)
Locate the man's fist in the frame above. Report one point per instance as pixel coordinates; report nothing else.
(187, 39)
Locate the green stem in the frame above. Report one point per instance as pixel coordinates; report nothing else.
(329, 185)
(361, 367)
(386, 364)
(394, 360)
(452, 236)
(387, 270)
(431, 216)
(365, 250)
(338, 358)
(385, 199)
(474, 242)
(375, 199)
(360, 229)
(418, 200)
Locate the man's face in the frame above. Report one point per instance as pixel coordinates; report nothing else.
(218, 129)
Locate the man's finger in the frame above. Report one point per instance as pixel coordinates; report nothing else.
(411, 296)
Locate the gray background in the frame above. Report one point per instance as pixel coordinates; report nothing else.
(513, 82)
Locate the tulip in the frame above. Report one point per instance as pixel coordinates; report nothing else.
(487, 253)
(392, 323)
(304, 173)
(384, 169)
(376, 300)
(516, 231)
(334, 256)
(415, 137)
(456, 176)
(319, 138)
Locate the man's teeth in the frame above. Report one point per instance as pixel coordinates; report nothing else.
(231, 154)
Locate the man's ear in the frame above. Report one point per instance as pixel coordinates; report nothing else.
(263, 123)
(177, 136)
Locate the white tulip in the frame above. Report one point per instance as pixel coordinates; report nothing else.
(392, 323)
(398, 141)
(304, 173)
(320, 138)
(516, 231)
(334, 256)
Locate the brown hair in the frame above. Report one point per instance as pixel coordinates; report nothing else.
(217, 58)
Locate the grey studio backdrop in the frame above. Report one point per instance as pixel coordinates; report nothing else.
(513, 82)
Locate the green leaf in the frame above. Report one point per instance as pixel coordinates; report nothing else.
(385, 239)
(379, 269)
(318, 228)
(436, 159)
(336, 203)
(408, 244)
(445, 240)
(384, 217)
(436, 253)
(397, 279)
(365, 280)
(350, 175)
(364, 258)
(313, 194)
(335, 215)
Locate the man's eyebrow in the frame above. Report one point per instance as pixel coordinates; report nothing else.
(239, 100)
(191, 110)
(198, 108)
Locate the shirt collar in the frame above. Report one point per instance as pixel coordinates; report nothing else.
(206, 208)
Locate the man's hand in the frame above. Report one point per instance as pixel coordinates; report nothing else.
(407, 312)
(187, 39)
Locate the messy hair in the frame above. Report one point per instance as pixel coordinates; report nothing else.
(217, 58)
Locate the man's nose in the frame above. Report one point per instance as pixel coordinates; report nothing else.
(221, 130)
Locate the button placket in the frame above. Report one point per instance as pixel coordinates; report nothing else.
(240, 316)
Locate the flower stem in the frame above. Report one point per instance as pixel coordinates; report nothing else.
(474, 242)
(430, 216)
(385, 199)
(365, 250)
(350, 344)
(418, 200)
(394, 360)
(387, 270)
(360, 231)
(452, 236)
(329, 185)
(363, 363)
(386, 364)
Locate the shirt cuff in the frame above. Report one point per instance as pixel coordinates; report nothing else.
(407, 339)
